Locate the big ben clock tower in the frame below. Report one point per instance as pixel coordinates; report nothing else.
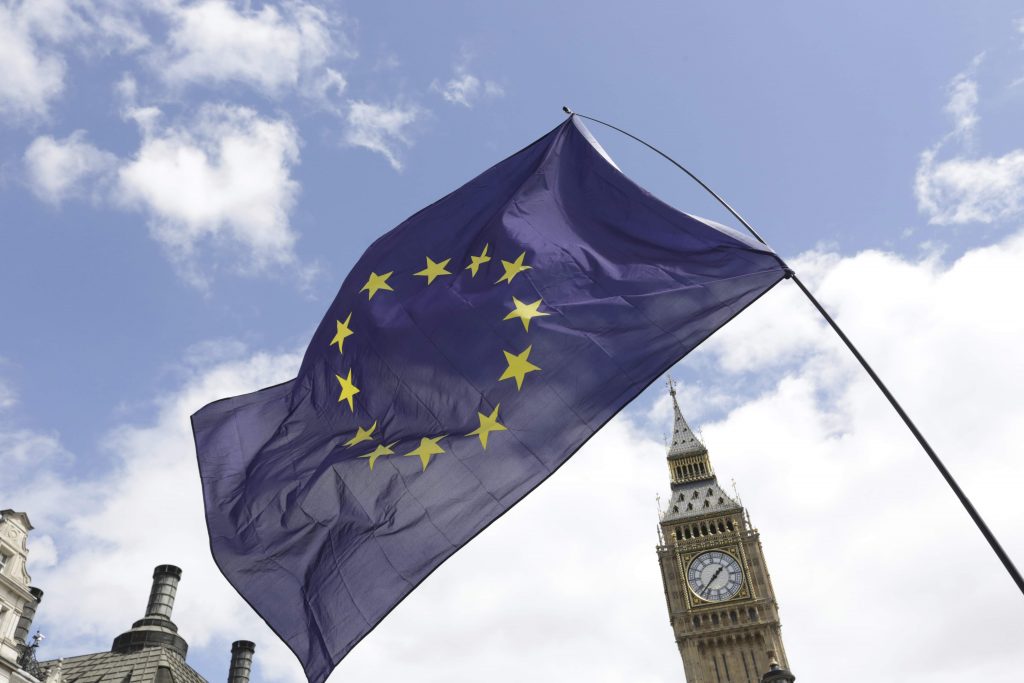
(720, 600)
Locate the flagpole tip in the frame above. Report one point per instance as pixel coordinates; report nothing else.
(568, 111)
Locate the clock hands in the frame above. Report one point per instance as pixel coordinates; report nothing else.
(714, 576)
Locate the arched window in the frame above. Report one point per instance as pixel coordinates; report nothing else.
(728, 524)
(714, 619)
(689, 506)
(721, 500)
(675, 508)
(703, 530)
(687, 532)
(696, 622)
(709, 492)
(707, 504)
(721, 527)
(678, 535)
(679, 472)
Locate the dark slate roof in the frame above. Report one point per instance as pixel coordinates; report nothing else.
(149, 665)
(688, 500)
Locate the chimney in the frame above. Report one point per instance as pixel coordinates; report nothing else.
(161, 596)
(156, 627)
(28, 613)
(241, 661)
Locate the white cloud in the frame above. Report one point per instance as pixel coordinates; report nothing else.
(210, 184)
(225, 179)
(8, 397)
(58, 169)
(327, 88)
(961, 190)
(387, 62)
(43, 554)
(144, 508)
(380, 128)
(271, 49)
(278, 47)
(32, 75)
(859, 488)
(963, 103)
(34, 35)
(851, 512)
(466, 89)
(28, 448)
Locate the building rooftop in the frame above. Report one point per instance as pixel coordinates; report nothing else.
(151, 651)
(157, 664)
(698, 498)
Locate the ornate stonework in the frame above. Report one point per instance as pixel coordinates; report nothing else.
(720, 599)
(16, 598)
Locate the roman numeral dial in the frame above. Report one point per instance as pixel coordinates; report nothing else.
(714, 576)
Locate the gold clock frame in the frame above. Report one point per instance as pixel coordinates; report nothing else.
(735, 550)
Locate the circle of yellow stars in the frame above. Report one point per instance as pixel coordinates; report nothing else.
(518, 365)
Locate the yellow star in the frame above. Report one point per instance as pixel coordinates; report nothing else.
(488, 424)
(343, 333)
(434, 269)
(525, 312)
(477, 261)
(361, 436)
(513, 268)
(348, 389)
(518, 366)
(376, 283)
(377, 452)
(427, 448)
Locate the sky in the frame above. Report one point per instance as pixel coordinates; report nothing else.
(184, 185)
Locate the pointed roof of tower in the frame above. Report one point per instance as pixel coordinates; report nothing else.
(695, 488)
(684, 441)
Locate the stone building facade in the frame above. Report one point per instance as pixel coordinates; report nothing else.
(151, 651)
(18, 599)
(720, 599)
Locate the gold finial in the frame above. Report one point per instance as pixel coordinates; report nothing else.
(671, 385)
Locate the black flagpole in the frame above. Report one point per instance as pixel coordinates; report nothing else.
(985, 531)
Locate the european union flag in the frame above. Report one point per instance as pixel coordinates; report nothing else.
(470, 352)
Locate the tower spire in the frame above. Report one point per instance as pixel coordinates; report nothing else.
(684, 441)
(687, 457)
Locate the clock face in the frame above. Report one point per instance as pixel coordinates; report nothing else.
(715, 576)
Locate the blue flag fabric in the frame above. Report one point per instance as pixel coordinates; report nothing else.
(470, 352)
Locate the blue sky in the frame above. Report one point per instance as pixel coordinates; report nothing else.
(183, 186)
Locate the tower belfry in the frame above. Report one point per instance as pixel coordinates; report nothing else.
(720, 599)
